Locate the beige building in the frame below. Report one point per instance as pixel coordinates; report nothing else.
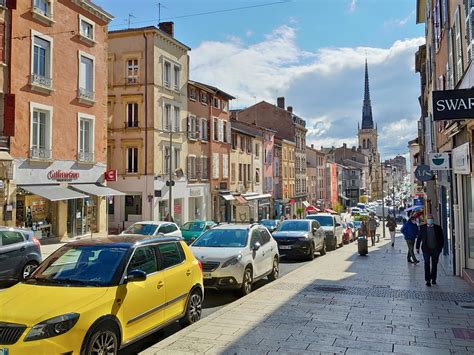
(147, 105)
(288, 175)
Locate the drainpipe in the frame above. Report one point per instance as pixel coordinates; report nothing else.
(146, 126)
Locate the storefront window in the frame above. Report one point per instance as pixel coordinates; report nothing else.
(133, 208)
(469, 220)
(178, 211)
(163, 210)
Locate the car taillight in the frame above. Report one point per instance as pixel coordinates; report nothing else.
(37, 242)
(200, 264)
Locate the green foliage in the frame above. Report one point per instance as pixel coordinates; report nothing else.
(300, 211)
(338, 207)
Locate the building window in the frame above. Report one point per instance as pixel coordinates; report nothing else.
(204, 130)
(176, 80)
(215, 165)
(221, 130)
(43, 11)
(132, 160)
(204, 97)
(41, 71)
(232, 172)
(216, 103)
(191, 167)
(40, 141)
(167, 74)
(86, 30)
(240, 172)
(86, 78)
(204, 168)
(192, 128)
(225, 106)
(216, 129)
(132, 114)
(257, 150)
(225, 166)
(176, 125)
(132, 71)
(176, 158)
(86, 138)
(192, 93)
(167, 117)
(257, 175)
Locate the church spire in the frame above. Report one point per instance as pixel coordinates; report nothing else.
(367, 122)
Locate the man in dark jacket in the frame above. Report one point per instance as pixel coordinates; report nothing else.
(431, 238)
(410, 232)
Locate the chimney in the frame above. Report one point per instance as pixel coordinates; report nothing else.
(344, 145)
(312, 146)
(281, 102)
(167, 27)
(290, 109)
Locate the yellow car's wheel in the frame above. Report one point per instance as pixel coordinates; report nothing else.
(193, 309)
(102, 340)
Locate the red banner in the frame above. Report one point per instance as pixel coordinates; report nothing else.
(110, 175)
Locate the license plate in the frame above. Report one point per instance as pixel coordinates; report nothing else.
(206, 275)
(285, 247)
(3, 351)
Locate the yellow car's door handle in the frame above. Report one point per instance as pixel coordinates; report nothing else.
(160, 284)
(188, 272)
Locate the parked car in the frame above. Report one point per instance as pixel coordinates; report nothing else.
(270, 224)
(234, 256)
(96, 296)
(347, 234)
(357, 225)
(332, 227)
(20, 254)
(193, 229)
(153, 228)
(353, 228)
(300, 238)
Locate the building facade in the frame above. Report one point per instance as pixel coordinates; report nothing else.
(59, 86)
(286, 207)
(148, 72)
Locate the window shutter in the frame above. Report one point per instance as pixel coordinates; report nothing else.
(197, 128)
(189, 168)
(197, 168)
(221, 131)
(188, 120)
(458, 51)
(228, 133)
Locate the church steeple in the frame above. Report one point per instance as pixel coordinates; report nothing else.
(367, 122)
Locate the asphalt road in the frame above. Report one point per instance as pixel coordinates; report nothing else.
(213, 301)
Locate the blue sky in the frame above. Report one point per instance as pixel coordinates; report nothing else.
(310, 51)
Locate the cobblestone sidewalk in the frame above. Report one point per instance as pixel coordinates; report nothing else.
(341, 303)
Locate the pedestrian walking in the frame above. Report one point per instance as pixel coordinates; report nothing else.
(431, 238)
(392, 226)
(372, 227)
(410, 233)
(363, 229)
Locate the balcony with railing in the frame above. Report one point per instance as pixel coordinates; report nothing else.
(85, 157)
(40, 153)
(86, 96)
(41, 83)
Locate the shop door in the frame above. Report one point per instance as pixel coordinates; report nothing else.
(76, 221)
(468, 220)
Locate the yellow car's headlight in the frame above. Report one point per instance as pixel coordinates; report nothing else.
(52, 327)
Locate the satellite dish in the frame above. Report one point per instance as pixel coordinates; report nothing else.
(179, 173)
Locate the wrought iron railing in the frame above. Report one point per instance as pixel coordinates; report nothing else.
(40, 153)
(85, 94)
(40, 80)
(85, 156)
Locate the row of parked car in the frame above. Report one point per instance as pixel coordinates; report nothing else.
(105, 293)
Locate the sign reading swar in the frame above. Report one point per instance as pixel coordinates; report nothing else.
(453, 104)
(60, 175)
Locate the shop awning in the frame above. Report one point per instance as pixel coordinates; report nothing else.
(228, 197)
(97, 190)
(312, 209)
(328, 210)
(240, 200)
(306, 204)
(257, 197)
(53, 192)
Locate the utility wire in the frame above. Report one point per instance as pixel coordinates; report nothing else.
(210, 12)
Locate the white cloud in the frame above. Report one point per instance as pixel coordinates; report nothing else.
(249, 33)
(325, 87)
(399, 22)
(352, 5)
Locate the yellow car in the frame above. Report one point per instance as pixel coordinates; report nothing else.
(97, 296)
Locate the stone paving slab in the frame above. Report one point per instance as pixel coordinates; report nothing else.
(339, 303)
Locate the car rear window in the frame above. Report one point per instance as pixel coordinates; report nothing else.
(171, 254)
(9, 238)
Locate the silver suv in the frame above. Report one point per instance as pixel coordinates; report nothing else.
(234, 256)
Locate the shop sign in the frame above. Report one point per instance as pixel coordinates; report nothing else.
(461, 160)
(423, 173)
(194, 191)
(177, 209)
(439, 161)
(453, 104)
(60, 175)
(110, 175)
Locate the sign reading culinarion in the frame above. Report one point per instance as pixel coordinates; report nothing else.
(453, 104)
(60, 175)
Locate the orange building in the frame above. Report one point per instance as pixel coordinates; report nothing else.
(59, 129)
